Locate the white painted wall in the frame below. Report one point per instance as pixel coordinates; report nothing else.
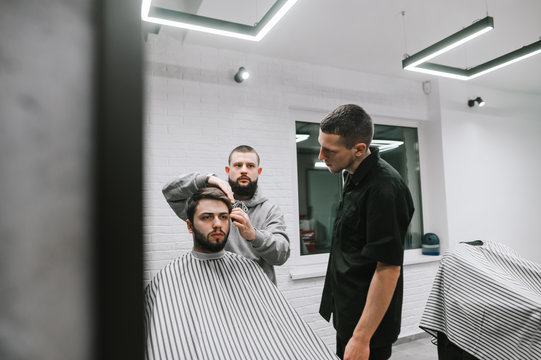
(196, 114)
(492, 166)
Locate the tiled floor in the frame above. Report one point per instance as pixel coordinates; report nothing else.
(420, 349)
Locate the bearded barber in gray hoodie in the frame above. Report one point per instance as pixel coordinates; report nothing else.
(259, 231)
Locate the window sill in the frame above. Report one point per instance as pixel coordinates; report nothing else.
(415, 256)
(308, 271)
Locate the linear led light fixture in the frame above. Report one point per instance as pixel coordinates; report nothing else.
(471, 32)
(216, 26)
(419, 62)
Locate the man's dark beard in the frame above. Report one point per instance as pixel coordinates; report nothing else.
(243, 190)
(204, 243)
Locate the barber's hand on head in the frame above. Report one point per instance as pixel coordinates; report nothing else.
(357, 350)
(222, 184)
(242, 222)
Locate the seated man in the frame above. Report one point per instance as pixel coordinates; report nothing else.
(213, 304)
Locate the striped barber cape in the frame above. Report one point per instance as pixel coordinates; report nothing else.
(487, 301)
(222, 306)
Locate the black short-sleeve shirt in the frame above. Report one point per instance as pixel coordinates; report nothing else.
(370, 227)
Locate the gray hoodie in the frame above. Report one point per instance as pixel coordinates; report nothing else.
(271, 245)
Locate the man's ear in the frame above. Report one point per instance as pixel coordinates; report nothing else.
(227, 169)
(259, 170)
(360, 149)
(189, 225)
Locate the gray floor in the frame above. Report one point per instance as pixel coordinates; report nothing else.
(420, 349)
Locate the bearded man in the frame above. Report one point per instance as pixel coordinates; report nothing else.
(213, 304)
(259, 231)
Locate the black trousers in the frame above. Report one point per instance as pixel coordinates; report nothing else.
(376, 353)
(449, 351)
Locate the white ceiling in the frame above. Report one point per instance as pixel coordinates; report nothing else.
(372, 36)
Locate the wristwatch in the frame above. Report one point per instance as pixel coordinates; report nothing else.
(208, 177)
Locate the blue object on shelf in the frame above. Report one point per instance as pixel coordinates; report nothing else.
(430, 244)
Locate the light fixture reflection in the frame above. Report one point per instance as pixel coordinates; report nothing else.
(386, 145)
(301, 137)
(382, 145)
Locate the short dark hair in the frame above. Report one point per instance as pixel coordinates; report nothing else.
(243, 149)
(351, 123)
(210, 192)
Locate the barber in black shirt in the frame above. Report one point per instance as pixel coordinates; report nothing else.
(363, 286)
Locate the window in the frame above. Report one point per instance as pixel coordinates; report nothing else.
(319, 190)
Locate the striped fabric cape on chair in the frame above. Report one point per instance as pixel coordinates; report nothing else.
(222, 306)
(487, 301)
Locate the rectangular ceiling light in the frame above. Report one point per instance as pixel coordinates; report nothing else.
(507, 59)
(419, 62)
(471, 32)
(217, 26)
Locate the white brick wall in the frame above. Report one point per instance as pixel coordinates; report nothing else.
(196, 113)
(417, 284)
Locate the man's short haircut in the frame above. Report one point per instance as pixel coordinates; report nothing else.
(243, 149)
(210, 192)
(351, 123)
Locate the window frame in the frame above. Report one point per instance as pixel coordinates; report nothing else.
(315, 265)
